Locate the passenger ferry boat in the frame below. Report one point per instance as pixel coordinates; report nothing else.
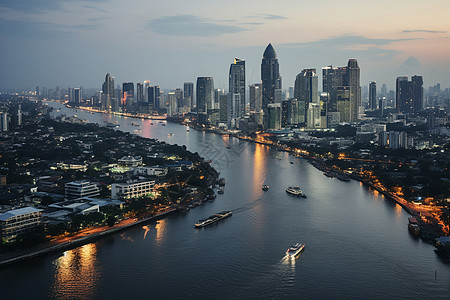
(294, 190)
(265, 187)
(212, 219)
(295, 249)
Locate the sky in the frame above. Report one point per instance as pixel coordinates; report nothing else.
(70, 43)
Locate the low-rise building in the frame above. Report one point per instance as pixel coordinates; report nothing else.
(151, 171)
(18, 221)
(79, 189)
(131, 190)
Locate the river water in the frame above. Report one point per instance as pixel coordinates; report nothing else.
(357, 242)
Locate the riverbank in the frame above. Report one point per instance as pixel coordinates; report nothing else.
(62, 245)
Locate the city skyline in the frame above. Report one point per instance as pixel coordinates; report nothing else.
(89, 40)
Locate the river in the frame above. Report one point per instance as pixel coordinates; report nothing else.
(357, 241)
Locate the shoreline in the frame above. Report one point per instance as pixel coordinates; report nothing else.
(80, 241)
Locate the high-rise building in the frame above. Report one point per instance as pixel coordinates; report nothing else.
(274, 116)
(4, 121)
(180, 100)
(349, 76)
(344, 103)
(313, 117)
(409, 94)
(146, 86)
(172, 104)
(284, 113)
(139, 93)
(223, 108)
(236, 89)
(355, 89)
(306, 91)
(417, 85)
(271, 79)
(398, 89)
(255, 95)
(189, 95)
(205, 93)
(154, 97)
(128, 94)
(108, 94)
(373, 95)
(76, 96)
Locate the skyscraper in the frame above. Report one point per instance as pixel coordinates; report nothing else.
(353, 82)
(76, 96)
(409, 94)
(139, 93)
(349, 76)
(146, 85)
(306, 91)
(398, 89)
(205, 93)
(189, 95)
(128, 94)
(236, 90)
(108, 95)
(255, 95)
(154, 98)
(373, 95)
(271, 79)
(417, 82)
(180, 100)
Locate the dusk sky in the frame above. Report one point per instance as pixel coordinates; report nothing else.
(75, 43)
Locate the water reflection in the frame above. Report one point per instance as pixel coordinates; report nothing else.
(160, 230)
(77, 273)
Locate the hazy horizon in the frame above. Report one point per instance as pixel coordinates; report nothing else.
(75, 43)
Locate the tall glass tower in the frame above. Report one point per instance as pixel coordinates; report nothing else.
(271, 79)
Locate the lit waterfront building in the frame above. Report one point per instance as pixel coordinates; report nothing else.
(255, 95)
(4, 121)
(18, 221)
(128, 95)
(132, 190)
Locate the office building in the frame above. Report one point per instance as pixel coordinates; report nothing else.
(4, 121)
(274, 116)
(128, 94)
(139, 93)
(373, 95)
(189, 95)
(409, 99)
(306, 91)
(271, 80)
(205, 94)
(108, 93)
(80, 189)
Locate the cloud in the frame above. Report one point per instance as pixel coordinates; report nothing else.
(268, 17)
(348, 40)
(273, 17)
(189, 25)
(410, 65)
(423, 30)
(38, 5)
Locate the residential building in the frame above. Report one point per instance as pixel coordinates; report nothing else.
(18, 221)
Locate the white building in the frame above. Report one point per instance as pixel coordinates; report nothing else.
(131, 190)
(79, 189)
(151, 171)
(130, 161)
(18, 221)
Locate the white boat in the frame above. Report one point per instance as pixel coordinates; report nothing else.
(294, 190)
(295, 249)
